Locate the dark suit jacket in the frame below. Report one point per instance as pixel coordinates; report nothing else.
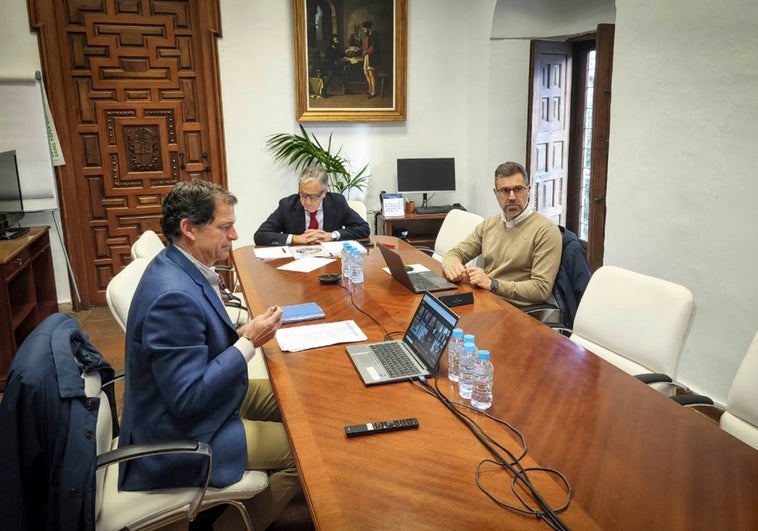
(184, 379)
(289, 218)
(47, 456)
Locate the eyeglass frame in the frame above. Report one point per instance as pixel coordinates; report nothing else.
(505, 192)
(312, 197)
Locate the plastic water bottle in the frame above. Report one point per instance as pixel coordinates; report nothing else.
(345, 256)
(454, 349)
(481, 396)
(466, 369)
(357, 277)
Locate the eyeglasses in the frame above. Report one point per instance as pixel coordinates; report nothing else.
(312, 197)
(506, 192)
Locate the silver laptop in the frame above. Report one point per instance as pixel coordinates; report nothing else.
(416, 354)
(418, 281)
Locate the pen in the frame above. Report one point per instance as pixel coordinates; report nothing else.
(284, 251)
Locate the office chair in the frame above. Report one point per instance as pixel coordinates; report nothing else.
(360, 207)
(119, 509)
(60, 460)
(455, 228)
(570, 284)
(121, 288)
(740, 416)
(636, 322)
(147, 245)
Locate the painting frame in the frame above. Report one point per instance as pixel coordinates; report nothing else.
(317, 97)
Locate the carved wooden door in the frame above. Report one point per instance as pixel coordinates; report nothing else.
(135, 96)
(549, 128)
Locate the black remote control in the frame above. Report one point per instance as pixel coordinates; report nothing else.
(381, 427)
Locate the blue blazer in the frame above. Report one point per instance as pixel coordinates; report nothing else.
(184, 379)
(289, 218)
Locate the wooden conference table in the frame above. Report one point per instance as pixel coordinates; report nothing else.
(634, 458)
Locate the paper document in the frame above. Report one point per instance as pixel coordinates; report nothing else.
(269, 253)
(306, 265)
(305, 337)
(308, 251)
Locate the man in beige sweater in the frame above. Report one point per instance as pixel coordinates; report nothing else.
(520, 248)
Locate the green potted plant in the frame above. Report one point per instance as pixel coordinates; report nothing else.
(304, 150)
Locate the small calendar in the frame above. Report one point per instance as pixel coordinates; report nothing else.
(393, 206)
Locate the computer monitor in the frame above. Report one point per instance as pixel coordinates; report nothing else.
(426, 175)
(11, 203)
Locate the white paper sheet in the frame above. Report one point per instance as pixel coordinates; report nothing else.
(306, 265)
(297, 338)
(269, 253)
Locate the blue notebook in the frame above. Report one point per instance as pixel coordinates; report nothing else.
(301, 312)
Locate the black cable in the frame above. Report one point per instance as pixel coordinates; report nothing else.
(520, 474)
(386, 334)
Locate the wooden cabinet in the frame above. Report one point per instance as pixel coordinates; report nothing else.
(422, 228)
(27, 291)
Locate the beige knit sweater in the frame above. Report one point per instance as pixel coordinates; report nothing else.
(524, 258)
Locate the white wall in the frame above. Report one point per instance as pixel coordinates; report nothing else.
(681, 188)
(448, 68)
(19, 58)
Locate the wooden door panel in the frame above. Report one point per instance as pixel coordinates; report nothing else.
(547, 160)
(128, 99)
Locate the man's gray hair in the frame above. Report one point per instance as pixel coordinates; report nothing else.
(508, 169)
(314, 173)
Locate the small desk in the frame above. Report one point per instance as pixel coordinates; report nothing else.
(422, 228)
(635, 459)
(27, 291)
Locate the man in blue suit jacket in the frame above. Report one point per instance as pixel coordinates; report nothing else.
(312, 215)
(186, 364)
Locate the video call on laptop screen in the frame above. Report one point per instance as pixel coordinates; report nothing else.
(430, 329)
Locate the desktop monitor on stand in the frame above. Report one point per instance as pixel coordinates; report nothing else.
(11, 204)
(426, 176)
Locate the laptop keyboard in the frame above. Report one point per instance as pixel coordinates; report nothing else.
(422, 283)
(394, 359)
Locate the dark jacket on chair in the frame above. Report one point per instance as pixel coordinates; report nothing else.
(573, 276)
(289, 218)
(47, 425)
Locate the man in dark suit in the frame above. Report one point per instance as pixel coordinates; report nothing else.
(312, 215)
(186, 364)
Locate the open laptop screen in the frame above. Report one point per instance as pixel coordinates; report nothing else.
(430, 329)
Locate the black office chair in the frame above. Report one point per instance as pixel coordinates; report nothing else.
(573, 276)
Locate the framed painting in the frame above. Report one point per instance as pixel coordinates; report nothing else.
(350, 60)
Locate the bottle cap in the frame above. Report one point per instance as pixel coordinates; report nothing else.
(468, 345)
(469, 337)
(484, 354)
(457, 332)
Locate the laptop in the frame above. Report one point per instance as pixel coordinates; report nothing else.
(418, 281)
(416, 354)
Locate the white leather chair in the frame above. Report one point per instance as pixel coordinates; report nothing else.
(455, 228)
(740, 417)
(636, 322)
(147, 245)
(120, 289)
(360, 207)
(115, 509)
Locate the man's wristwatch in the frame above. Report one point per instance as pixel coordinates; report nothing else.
(494, 284)
(335, 235)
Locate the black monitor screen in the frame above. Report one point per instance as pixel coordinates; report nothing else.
(426, 175)
(10, 187)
